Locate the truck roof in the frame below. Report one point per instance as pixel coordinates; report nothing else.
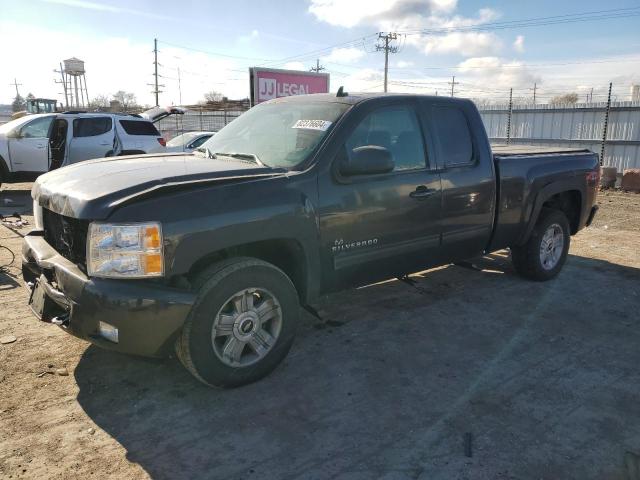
(357, 97)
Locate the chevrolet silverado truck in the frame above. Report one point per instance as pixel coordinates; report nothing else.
(213, 254)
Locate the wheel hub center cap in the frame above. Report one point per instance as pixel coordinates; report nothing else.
(246, 325)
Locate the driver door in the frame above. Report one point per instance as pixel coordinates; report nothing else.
(29, 150)
(382, 225)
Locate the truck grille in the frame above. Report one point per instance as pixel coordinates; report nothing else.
(67, 235)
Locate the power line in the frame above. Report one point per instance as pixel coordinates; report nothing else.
(532, 22)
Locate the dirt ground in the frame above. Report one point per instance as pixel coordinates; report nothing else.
(542, 378)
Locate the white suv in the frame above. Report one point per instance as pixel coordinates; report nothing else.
(35, 144)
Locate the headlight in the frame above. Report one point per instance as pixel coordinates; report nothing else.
(131, 250)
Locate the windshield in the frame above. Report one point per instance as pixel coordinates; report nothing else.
(181, 139)
(278, 134)
(7, 127)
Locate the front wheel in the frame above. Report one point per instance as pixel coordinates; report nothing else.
(242, 324)
(544, 254)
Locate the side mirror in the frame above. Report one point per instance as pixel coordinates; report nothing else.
(368, 160)
(13, 133)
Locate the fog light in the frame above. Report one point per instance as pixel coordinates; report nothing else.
(108, 331)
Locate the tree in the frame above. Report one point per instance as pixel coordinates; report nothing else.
(213, 96)
(126, 99)
(99, 102)
(30, 96)
(566, 99)
(18, 103)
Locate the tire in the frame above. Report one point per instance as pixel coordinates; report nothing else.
(529, 259)
(208, 347)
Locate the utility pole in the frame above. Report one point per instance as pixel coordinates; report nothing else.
(387, 48)
(318, 67)
(591, 96)
(453, 83)
(155, 84)
(16, 84)
(535, 88)
(63, 81)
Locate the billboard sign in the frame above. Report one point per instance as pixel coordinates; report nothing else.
(268, 83)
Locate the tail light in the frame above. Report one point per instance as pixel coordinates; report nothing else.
(593, 177)
(162, 141)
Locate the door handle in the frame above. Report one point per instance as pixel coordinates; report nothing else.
(422, 192)
(105, 144)
(40, 146)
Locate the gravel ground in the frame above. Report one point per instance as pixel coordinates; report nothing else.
(542, 378)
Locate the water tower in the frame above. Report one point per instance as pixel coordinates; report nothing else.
(75, 83)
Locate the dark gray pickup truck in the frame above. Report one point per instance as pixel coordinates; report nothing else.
(214, 253)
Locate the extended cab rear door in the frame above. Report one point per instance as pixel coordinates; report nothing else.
(381, 225)
(468, 179)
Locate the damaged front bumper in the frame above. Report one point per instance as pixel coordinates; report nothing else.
(147, 316)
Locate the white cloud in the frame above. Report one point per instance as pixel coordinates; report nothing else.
(254, 34)
(494, 72)
(404, 64)
(518, 44)
(432, 23)
(294, 66)
(101, 7)
(366, 79)
(344, 55)
(463, 43)
(349, 13)
(112, 64)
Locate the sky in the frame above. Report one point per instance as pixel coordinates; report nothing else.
(490, 46)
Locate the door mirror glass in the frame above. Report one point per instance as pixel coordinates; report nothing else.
(368, 160)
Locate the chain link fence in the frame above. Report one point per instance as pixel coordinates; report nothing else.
(196, 121)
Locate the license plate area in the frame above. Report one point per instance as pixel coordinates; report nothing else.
(43, 307)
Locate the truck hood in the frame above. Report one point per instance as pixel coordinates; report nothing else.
(93, 189)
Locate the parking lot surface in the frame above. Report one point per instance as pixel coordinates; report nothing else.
(470, 373)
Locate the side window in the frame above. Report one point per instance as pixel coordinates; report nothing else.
(139, 127)
(38, 128)
(199, 141)
(395, 128)
(90, 127)
(453, 136)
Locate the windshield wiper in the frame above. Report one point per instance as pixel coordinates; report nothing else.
(251, 156)
(206, 152)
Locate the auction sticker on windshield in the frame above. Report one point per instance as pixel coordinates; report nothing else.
(312, 124)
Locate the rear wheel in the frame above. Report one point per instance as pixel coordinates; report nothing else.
(242, 324)
(545, 253)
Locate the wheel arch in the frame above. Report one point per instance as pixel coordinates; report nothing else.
(287, 254)
(4, 170)
(564, 196)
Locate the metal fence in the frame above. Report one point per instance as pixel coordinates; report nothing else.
(196, 120)
(580, 126)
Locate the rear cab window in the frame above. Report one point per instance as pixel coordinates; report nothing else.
(452, 136)
(91, 127)
(139, 127)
